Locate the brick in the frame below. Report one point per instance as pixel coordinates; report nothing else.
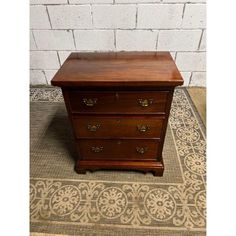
(198, 79)
(44, 60)
(136, 1)
(173, 54)
(191, 61)
(54, 39)
(37, 77)
(101, 40)
(89, 1)
(160, 16)
(39, 18)
(186, 76)
(63, 55)
(70, 17)
(203, 42)
(49, 75)
(32, 42)
(36, 2)
(194, 16)
(184, 1)
(114, 16)
(179, 40)
(136, 40)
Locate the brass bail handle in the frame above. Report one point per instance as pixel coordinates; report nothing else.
(90, 102)
(97, 149)
(145, 102)
(93, 128)
(141, 150)
(143, 128)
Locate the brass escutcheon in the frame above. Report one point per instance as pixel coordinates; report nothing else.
(141, 150)
(97, 149)
(144, 102)
(143, 128)
(93, 128)
(90, 102)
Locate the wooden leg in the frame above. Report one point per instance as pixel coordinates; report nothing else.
(81, 171)
(158, 173)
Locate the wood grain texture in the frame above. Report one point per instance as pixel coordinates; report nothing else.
(108, 97)
(103, 126)
(118, 69)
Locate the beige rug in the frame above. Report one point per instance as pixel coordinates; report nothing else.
(115, 202)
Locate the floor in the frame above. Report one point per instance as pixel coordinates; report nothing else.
(198, 96)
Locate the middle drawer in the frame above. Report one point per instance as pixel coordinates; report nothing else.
(118, 126)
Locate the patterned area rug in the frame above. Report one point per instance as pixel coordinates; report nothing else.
(115, 202)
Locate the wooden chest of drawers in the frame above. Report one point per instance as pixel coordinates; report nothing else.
(118, 105)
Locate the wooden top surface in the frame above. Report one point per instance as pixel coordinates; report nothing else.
(118, 69)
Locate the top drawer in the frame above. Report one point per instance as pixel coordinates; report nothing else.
(118, 102)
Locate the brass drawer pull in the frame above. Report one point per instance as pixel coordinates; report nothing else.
(145, 102)
(93, 128)
(97, 149)
(141, 150)
(143, 128)
(90, 102)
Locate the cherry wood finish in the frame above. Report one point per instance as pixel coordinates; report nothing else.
(118, 105)
(118, 102)
(118, 126)
(118, 149)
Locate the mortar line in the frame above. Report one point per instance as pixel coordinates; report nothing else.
(45, 77)
(200, 41)
(158, 32)
(73, 35)
(190, 79)
(118, 3)
(136, 17)
(34, 40)
(177, 29)
(115, 40)
(58, 58)
(182, 19)
(91, 13)
(49, 17)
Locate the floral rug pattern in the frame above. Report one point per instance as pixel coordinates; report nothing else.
(165, 205)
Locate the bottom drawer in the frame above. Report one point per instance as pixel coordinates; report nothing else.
(118, 149)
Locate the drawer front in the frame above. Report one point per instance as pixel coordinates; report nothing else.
(120, 102)
(118, 126)
(118, 149)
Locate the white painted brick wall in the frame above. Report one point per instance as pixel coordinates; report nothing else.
(194, 16)
(63, 55)
(136, 40)
(114, 16)
(186, 76)
(160, 16)
(89, 1)
(44, 60)
(70, 16)
(39, 18)
(36, 2)
(191, 61)
(37, 77)
(198, 79)
(59, 27)
(179, 40)
(54, 39)
(32, 42)
(96, 40)
(49, 75)
(203, 42)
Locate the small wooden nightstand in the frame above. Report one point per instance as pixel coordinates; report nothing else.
(118, 105)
